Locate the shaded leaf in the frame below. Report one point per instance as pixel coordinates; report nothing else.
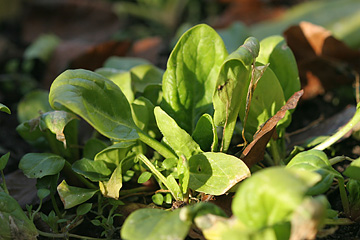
(234, 35)
(37, 165)
(254, 152)
(205, 134)
(93, 170)
(85, 93)
(316, 161)
(189, 80)
(4, 108)
(14, 224)
(145, 75)
(73, 196)
(115, 153)
(33, 104)
(353, 170)
(92, 147)
(155, 224)
(4, 160)
(216, 173)
(42, 48)
(124, 63)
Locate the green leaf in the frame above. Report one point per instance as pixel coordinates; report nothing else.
(315, 161)
(43, 193)
(145, 75)
(92, 147)
(56, 121)
(183, 172)
(353, 170)
(216, 173)
(96, 99)
(231, 88)
(121, 78)
(144, 176)
(14, 224)
(33, 105)
(265, 103)
(158, 199)
(275, 51)
(83, 209)
(42, 48)
(143, 114)
(73, 196)
(155, 224)
(115, 153)
(189, 80)
(205, 134)
(4, 160)
(111, 188)
(353, 188)
(4, 108)
(270, 196)
(93, 170)
(124, 63)
(178, 139)
(38, 165)
(154, 94)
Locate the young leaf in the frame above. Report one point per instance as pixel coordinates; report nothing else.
(353, 170)
(3, 160)
(32, 105)
(205, 134)
(178, 139)
(72, 196)
(93, 170)
(231, 88)
(145, 75)
(155, 224)
(43, 193)
(56, 121)
(121, 78)
(83, 209)
(115, 153)
(275, 51)
(216, 173)
(158, 199)
(316, 161)
(14, 224)
(38, 165)
(255, 151)
(111, 188)
(4, 108)
(145, 176)
(255, 204)
(96, 99)
(189, 80)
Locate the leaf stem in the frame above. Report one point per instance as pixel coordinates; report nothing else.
(159, 147)
(65, 235)
(343, 196)
(4, 183)
(339, 134)
(158, 174)
(338, 159)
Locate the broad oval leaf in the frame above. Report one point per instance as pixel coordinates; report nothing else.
(178, 139)
(73, 196)
(315, 161)
(215, 173)
(190, 77)
(38, 165)
(156, 224)
(96, 99)
(93, 170)
(14, 224)
(270, 196)
(275, 51)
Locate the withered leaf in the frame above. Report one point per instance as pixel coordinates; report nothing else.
(324, 62)
(255, 151)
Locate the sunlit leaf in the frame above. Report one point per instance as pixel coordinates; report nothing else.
(73, 196)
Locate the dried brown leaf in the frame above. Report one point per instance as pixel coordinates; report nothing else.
(255, 151)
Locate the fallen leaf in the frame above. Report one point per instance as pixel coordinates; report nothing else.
(255, 151)
(324, 62)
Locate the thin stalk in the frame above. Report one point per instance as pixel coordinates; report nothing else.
(52, 142)
(55, 206)
(339, 134)
(338, 221)
(157, 173)
(338, 159)
(134, 190)
(159, 147)
(4, 182)
(64, 235)
(343, 196)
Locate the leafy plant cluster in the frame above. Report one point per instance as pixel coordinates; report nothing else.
(213, 123)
